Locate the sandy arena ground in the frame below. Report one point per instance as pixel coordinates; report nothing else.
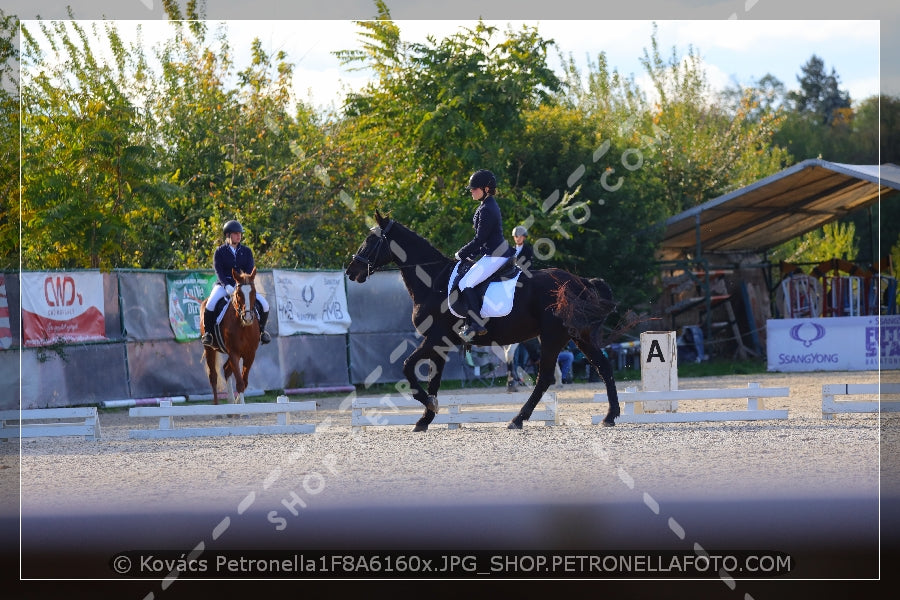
(573, 485)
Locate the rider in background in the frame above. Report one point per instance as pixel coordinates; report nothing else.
(524, 251)
(232, 255)
(489, 249)
(524, 258)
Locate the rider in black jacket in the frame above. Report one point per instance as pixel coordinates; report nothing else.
(489, 249)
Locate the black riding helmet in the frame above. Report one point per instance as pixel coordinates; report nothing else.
(482, 179)
(232, 227)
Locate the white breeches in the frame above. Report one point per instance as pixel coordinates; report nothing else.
(218, 292)
(481, 270)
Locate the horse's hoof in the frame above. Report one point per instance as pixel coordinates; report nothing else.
(431, 403)
(420, 428)
(606, 423)
(514, 425)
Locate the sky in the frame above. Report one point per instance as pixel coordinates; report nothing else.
(733, 51)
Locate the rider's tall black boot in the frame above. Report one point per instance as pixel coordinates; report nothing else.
(264, 336)
(474, 323)
(209, 323)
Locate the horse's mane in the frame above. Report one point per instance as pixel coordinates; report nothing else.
(420, 241)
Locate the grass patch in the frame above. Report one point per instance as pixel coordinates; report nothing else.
(719, 368)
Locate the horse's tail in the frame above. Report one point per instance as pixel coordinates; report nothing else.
(583, 305)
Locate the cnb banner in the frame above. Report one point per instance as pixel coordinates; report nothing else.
(5, 331)
(65, 307)
(311, 302)
(186, 291)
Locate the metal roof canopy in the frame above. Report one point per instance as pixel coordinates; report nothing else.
(778, 208)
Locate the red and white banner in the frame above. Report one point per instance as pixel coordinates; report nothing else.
(5, 331)
(62, 307)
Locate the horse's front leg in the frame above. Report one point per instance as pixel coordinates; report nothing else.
(245, 372)
(435, 364)
(233, 369)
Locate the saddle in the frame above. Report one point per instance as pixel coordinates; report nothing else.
(496, 291)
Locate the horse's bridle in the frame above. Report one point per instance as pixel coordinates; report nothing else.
(246, 313)
(376, 249)
(371, 267)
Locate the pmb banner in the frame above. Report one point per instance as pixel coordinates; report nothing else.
(65, 307)
(311, 302)
(833, 344)
(186, 291)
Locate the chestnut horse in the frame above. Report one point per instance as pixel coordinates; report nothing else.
(239, 340)
(552, 304)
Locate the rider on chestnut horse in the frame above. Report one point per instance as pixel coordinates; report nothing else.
(232, 255)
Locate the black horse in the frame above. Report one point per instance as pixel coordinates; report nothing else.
(552, 304)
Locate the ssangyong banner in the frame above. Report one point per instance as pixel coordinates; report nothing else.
(62, 307)
(310, 302)
(833, 344)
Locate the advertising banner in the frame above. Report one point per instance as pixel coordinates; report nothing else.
(64, 307)
(833, 344)
(185, 292)
(311, 302)
(5, 324)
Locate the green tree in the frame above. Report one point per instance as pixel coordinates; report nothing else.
(9, 144)
(582, 166)
(199, 118)
(441, 109)
(763, 97)
(833, 240)
(820, 95)
(246, 152)
(820, 122)
(706, 151)
(88, 163)
(285, 173)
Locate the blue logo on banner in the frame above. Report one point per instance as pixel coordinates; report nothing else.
(808, 338)
(890, 341)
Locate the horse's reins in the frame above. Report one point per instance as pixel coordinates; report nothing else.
(376, 250)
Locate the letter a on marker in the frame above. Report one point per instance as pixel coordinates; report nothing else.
(655, 350)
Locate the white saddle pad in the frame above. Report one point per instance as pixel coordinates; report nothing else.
(498, 300)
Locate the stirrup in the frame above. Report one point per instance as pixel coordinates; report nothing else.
(471, 329)
(207, 339)
(264, 337)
